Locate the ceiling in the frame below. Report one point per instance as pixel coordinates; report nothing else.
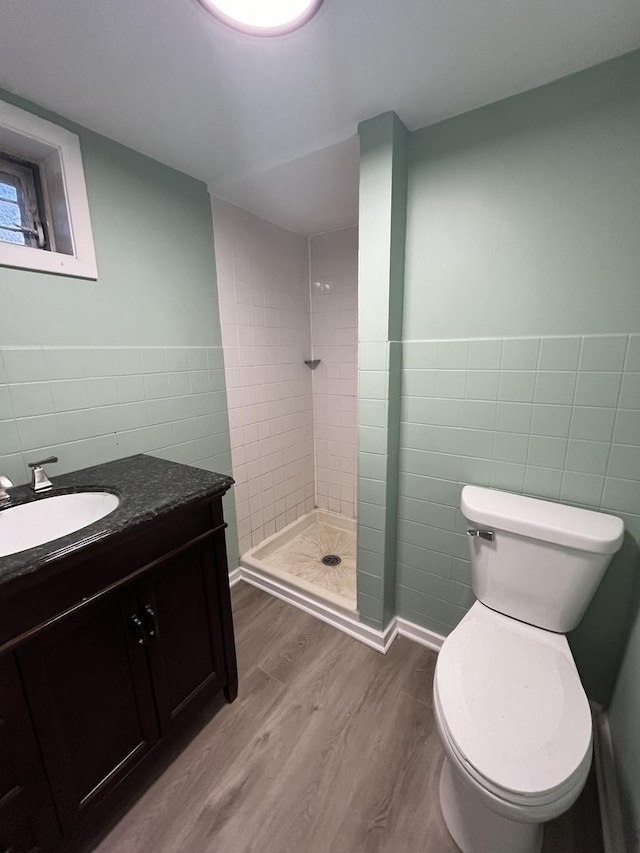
(166, 78)
(308, 195)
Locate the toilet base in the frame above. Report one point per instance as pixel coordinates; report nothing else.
(477, 829)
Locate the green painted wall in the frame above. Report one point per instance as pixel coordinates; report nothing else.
(156, 269)
(623, 718)
(383, 192)
(556, 418)
(523, 216)
(375, 218)
(522, 220)
(521, 364)
(131, 363)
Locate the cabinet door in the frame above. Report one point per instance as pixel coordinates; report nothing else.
(182, 616)
(27, 818)
(88, 687)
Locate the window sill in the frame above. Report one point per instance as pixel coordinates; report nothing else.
(39, 260)
(57, 151)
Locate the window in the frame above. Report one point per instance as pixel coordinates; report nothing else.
(44, 210)
(22, 211)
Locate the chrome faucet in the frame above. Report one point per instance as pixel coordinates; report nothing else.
(5, 483)
(39, 480)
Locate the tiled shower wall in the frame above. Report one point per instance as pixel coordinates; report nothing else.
(379, 423)
(334, 329)
(93, 405)
(263, 287)
(551, 417)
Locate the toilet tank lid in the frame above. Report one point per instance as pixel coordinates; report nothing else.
(552, 522)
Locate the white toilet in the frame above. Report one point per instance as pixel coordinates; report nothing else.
(510, 708)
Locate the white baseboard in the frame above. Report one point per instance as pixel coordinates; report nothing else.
(235, 576)
(419, 634)
(343, 620)
(608, 791)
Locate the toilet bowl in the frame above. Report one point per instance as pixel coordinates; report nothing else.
(510, 708)
(515, 725)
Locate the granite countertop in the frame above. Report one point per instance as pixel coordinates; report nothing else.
(148, 488)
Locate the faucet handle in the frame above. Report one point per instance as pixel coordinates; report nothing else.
(39, 480)
(48, 461)
(5, 485)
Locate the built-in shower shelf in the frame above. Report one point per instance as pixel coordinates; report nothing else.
(312, 362)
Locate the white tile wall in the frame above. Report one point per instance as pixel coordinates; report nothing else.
(263, 288)
(334, 324)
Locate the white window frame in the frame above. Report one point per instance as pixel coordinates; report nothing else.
(57, 152)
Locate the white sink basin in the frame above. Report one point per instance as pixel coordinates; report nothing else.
(31, 524)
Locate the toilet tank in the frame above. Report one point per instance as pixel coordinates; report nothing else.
(545, 560)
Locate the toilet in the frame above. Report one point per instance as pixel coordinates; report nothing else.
(510, 709)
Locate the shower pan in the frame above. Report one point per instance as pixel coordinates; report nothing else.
(316, 554)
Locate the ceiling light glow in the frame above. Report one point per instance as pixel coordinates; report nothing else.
(263, 17)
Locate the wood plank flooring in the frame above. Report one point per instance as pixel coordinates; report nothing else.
(331, 747)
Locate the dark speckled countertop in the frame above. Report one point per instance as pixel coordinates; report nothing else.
(147, 487)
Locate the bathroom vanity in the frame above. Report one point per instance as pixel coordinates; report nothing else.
(113, 640)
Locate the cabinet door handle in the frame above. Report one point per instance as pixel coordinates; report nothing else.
(150, 620)
(139, 631)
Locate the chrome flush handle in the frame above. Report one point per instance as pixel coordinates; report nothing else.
(489, 535)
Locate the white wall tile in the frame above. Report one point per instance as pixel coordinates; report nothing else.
(334, 318)
(266, 337)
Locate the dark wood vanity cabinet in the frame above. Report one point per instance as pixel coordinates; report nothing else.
(27, 818)
(87, 684)
(88, 695)
(181, 615)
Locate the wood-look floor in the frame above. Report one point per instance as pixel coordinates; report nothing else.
(331, 747)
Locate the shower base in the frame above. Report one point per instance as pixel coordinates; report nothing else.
(295, 555)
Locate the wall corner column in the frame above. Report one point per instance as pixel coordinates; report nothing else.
(382, 226)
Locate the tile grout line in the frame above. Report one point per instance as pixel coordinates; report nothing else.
(615, 419)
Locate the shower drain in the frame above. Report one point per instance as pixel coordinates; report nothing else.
(331, 560)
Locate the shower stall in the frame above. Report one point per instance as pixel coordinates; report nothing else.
(288, 311)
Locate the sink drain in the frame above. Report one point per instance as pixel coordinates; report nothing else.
(331, 560)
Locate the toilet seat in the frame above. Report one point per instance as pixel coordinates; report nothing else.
(524, 807)
(512, 708)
